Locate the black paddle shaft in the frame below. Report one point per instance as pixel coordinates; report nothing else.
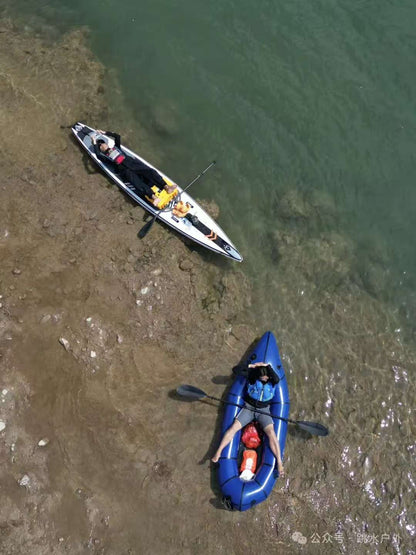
(251, 408)
(146, 228)
(314, 428)
(198, 176)
(311, 427)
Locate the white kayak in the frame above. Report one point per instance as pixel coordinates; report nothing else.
(182, 212)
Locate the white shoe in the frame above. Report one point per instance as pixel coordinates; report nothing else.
(247, 475)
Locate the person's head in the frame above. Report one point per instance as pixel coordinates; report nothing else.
(102, 145)
(265, 373)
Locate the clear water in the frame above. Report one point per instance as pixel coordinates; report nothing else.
(310, 96)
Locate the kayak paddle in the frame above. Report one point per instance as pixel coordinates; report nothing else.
(196, 394)
(146, 228)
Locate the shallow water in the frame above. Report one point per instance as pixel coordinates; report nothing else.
(314, 98)
(308, 106)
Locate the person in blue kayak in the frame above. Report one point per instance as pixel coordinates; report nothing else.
(142, 177)
(260, 390)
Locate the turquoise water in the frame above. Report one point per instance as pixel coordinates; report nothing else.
(316, 97)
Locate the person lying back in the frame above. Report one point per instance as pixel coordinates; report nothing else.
(141, 176)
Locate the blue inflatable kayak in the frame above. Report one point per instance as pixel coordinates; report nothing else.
(237, 493)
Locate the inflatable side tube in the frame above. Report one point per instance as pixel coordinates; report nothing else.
(253, 492)
(233, 490)
(227, 470)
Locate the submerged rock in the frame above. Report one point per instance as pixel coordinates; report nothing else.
(164, 118)
(185, 264)
(293, 206)
(210, 208)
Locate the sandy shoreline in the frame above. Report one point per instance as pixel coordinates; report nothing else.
(90, 315)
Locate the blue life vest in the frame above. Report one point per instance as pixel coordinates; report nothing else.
(259, 391)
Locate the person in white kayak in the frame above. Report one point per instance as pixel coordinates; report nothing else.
(142, 177)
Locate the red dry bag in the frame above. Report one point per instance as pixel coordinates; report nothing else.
(250, 437)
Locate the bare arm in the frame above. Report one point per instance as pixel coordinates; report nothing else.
(115, 136)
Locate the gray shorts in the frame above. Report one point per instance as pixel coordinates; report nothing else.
(245, 416)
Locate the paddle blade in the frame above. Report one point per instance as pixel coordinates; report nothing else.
(313, 428)
(146, 228)
(191, 392)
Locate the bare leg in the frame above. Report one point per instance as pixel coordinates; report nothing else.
(275, 447)
(228, 436)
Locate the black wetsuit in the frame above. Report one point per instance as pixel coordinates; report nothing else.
(133, 170)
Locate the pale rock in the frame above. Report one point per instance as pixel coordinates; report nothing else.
(64, 342)
(24, 480)
(43, 442)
